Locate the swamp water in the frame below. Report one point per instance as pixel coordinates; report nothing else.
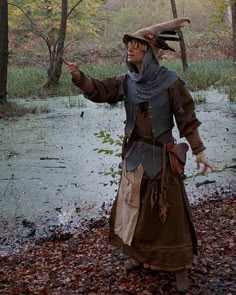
(51, 176)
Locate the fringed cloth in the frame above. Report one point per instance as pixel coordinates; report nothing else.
(128, 200)
(153, 228)
(128, 204)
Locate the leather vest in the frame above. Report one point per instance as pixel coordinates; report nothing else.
(161, 116)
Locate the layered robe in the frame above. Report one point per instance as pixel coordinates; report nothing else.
(135, 224)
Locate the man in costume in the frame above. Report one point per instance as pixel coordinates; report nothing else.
(151, 218)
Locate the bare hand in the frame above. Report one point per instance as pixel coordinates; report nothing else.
(201, 159)
(73, 69)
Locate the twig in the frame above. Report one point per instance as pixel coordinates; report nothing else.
(230, 167)
(214, 170)
(25, 13)
(63, 167)
(10, 179)
(204, 182)
(48, 158)
(73, 8)
(61, 191)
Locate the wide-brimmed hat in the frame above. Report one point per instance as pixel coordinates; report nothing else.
(157, 35)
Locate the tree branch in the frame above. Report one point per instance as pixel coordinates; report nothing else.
(32, 61)
(73, 8)
(25, 13)
(45, 38)
(69, 13)
(33, 25)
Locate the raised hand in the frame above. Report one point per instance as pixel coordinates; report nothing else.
(73, 69)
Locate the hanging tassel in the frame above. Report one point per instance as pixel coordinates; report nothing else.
(163, 204)
(163, 208)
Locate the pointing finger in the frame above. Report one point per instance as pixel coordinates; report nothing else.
(66, 62)
(69, 64)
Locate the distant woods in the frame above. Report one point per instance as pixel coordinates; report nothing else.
(90, 31)
(3, 50)
(94, 29)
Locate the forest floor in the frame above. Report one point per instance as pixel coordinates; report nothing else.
(85, 263)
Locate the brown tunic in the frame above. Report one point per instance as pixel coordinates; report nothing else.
(168, 246)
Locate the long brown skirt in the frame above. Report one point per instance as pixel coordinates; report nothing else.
(168, 246)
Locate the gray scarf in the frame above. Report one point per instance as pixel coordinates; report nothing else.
(151, 81)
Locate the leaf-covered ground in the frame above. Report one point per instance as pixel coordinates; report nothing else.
(87, 264)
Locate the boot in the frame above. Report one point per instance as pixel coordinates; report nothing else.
(132, 264)
(182, 281)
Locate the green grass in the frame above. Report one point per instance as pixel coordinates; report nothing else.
(12, 109)
(25, 82)
(29, 81)
(203, 74)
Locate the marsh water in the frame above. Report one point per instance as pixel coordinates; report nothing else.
(51, 176)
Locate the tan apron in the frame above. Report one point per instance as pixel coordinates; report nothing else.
(128, 204)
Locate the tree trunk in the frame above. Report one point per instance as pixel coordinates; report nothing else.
(55, 68)
(3, 50)
(234, 32)
(182, 43)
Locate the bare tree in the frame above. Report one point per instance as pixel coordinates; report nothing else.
(54, 45)
(180, 34)
(234, 31)
(55, 67)
(3, 50)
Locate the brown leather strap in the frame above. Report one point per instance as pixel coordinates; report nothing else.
(145, 140)
(163, 203)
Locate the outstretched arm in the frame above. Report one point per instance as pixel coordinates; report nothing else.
(78, 78)
(109, 90)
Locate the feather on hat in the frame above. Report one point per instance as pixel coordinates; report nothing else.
(157, 35)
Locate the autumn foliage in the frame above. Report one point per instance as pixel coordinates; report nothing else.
(87, 264)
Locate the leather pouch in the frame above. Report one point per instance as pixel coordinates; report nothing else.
(177, 155)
